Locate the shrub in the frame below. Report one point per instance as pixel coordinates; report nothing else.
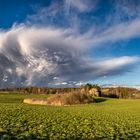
(69, 99)
(62, 99)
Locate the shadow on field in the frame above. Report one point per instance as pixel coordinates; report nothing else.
(7, 135)
(99, 100)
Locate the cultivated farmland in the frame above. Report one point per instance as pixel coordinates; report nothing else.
(105, 119)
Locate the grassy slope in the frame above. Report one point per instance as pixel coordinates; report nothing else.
(107, 119)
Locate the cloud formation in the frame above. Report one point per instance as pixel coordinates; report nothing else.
(46, 56)
(64, 13)
(123, 31)
(80, 5)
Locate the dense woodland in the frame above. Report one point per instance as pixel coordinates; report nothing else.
(116, 92)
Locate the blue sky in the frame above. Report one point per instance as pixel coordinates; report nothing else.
(69, 42)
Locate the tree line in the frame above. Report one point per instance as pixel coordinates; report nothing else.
(117, 92)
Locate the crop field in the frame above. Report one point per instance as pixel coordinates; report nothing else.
(107, 119)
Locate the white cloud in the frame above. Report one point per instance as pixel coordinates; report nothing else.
(37, 55)
(117, 62)
(80, 5)
(122, 31)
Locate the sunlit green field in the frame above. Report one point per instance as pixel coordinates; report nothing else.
(106, 119)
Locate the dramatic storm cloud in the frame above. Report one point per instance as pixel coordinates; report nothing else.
(35, 56)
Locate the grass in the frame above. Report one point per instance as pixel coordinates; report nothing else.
(18, 98)
(106, 119)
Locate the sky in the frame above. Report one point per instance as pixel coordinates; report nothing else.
(66, 43)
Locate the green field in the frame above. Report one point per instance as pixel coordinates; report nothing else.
(106, 119)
